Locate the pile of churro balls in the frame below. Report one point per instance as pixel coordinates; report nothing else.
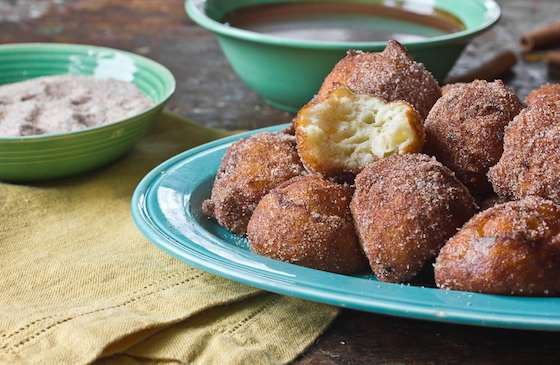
(386, 172)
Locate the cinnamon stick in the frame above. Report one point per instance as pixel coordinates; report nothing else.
(497, 66)
(541, 37)
(535, 56)
(552, 60)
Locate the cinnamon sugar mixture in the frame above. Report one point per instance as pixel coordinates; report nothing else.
(58, 104)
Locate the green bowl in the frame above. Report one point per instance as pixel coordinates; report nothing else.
(287, 73)
(59, 155)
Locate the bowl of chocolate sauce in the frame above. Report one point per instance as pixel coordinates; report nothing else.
(284, 49)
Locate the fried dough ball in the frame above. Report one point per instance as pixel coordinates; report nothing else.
(512, 248)
(307, 221)
(530, 164)
(341, 134)
(549, 92)
(392, 75)
(465, 129)
(249, 170)
(405, 207)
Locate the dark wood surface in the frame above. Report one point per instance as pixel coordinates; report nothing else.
(210, 93)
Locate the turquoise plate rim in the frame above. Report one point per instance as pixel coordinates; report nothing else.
(207, 252)
(161, 69)
(199, 16)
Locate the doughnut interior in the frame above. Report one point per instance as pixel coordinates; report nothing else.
(346, 131)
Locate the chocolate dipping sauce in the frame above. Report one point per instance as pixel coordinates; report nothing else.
(348, 22)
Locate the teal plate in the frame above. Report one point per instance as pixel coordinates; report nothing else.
(166, 207)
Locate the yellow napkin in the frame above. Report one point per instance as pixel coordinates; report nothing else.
(78, 282)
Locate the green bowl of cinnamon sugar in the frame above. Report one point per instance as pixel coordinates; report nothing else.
(66, 109)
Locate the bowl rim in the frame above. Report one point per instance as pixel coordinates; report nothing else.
(167, 74)
(193, 9)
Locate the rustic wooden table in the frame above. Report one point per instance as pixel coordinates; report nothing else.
(210, 93)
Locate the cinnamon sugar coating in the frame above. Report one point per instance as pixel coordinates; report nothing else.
(512, 248)
(447, 87)
(549, 92)
(392, 75)
(249, 170)
(530, 164)
(307, 221)
(465, 129)
(405, 207)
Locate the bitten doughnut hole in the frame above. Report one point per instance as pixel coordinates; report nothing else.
(346, 131)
